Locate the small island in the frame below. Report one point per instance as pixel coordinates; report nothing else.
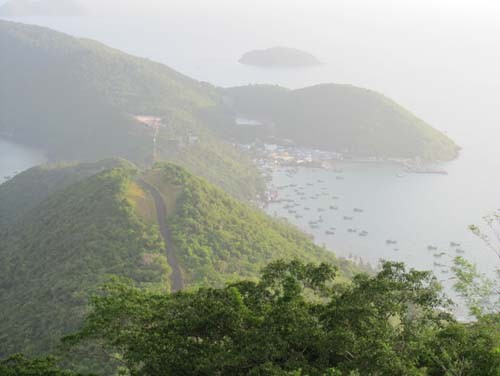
(28, 8)
(279, 57)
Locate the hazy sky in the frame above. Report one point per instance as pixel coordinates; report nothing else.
(439, 58)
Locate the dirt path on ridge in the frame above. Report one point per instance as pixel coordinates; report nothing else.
(177, 282)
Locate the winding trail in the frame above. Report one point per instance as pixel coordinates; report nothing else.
(177, 281)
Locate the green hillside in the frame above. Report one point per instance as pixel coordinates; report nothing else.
(77, 99)
(31, 187)
(56, 254)
(219, 238)
(343, 118)
(101, 221)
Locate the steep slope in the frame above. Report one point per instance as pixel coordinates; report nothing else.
(58, 252)
(343, 118)
(77, 99)
(68, 241)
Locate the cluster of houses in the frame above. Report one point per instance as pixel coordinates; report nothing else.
(269, 155)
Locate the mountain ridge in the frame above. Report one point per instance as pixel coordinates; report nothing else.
(69, 240)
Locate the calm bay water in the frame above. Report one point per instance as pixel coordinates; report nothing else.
(15, 158)
(414, 210)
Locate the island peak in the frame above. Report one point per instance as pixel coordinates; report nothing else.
(279, 57)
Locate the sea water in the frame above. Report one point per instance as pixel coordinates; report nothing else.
(15, 158)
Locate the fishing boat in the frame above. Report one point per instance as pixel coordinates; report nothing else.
(458, 250)
(346, 218)
(389, 241)
(454, 244)
(432, 248)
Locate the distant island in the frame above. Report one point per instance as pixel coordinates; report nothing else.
(279, 57)
(23, 8)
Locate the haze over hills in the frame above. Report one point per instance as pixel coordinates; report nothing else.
(86, 222)
(279, 57)
(145, 112)
(155, 260)
(344, 118)
(79, 100)
(22, 8)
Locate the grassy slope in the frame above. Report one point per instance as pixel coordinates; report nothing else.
(342, 117)
(53, 257)
(76, 99)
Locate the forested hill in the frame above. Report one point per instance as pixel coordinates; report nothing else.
(31, 187)
(100, 221)
(219, 238)
(343, 118)
(56, 254)
(77, 99)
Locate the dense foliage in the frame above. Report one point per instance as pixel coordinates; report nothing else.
(295, 321)
(31, 187)
(53, 257)
(344, 118)
(19, 365)
(219, 238)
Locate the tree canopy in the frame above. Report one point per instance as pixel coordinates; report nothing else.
(295, 321)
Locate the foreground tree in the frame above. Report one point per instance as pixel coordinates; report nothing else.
(481, 293)
(296, 321)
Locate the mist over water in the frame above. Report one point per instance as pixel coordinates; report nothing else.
(15, 158)
(438, 59)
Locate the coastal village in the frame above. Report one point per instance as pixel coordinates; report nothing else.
(296, 202)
